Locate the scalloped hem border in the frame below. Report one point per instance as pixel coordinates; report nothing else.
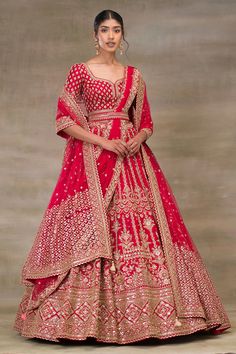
(212, 329)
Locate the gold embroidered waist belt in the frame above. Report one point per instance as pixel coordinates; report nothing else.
(106, 114)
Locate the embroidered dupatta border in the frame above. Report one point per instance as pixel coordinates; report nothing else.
(166, 239)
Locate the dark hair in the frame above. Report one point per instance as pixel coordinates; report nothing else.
(106, 15)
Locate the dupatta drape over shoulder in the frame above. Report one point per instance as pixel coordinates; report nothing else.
(74, 228)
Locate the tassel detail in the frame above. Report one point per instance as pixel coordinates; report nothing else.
(177, 322)
(113, 267)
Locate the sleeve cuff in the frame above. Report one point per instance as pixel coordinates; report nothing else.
(148, 132)
(62, 123)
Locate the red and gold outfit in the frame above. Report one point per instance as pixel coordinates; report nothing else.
(112, 258)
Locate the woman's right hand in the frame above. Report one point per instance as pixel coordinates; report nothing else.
(118, 146)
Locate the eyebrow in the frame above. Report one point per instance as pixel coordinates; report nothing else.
(113, 26)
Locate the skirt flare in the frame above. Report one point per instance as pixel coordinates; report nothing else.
(131, 298)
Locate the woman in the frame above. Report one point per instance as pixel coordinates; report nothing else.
(112, 258)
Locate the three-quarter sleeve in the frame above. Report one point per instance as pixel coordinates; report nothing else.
(73, 88)
(146, 123)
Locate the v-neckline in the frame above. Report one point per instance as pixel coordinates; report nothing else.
(107, 80)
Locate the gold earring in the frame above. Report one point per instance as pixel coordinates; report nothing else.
(121, 48)
(97, 46)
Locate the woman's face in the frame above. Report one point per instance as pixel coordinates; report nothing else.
(109, 35)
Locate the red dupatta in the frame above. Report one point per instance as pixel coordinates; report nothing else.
(74, 229)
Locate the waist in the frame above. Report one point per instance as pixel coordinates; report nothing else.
(106, 114)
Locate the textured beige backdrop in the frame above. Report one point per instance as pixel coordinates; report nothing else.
(186, 51)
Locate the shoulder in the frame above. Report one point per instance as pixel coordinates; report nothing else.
(137, 71)
(76, 70)
(76, 67)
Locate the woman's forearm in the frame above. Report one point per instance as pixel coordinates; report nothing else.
(142, 135)
(80, 133)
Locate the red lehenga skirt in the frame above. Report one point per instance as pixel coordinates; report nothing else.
(132, 299)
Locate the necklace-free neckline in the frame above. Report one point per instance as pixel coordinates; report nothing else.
(103, 79)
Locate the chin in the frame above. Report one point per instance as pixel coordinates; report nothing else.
(110, 50)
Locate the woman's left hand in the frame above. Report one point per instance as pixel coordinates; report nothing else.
(134, 145)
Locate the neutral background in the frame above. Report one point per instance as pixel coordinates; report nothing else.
(186, 51)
